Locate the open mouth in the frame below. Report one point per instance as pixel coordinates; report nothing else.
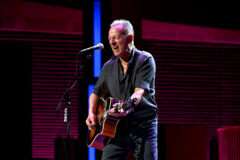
(115, 48)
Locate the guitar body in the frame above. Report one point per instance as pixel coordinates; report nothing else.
(106, 124)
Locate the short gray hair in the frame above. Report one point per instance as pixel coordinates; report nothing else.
(128, 28)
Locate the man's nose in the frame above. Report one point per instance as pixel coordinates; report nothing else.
(112, 41)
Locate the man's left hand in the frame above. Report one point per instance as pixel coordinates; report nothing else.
(117, 113)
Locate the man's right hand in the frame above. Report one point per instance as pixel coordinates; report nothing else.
(91, 121)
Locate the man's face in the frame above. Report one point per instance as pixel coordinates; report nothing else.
(118, 40)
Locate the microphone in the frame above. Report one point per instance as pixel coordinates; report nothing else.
(98, 46)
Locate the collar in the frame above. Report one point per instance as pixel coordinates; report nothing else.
(132, 56)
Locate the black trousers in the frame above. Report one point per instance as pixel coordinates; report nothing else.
(141, 138)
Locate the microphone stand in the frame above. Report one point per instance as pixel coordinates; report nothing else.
(67, 99)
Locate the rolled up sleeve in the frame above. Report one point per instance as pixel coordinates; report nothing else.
(100, 85)
(146, 74)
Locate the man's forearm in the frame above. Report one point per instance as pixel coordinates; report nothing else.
(138, 93)
(92, 101)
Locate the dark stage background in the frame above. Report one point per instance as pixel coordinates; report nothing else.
(196, 46)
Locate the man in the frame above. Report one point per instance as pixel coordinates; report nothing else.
(129, 74)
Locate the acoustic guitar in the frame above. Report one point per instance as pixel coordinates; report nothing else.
(106, 123)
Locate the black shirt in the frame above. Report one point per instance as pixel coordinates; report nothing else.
(140, 74)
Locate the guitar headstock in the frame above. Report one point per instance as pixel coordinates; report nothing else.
(129, 104)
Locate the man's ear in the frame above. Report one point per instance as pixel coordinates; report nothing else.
(130, 37)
